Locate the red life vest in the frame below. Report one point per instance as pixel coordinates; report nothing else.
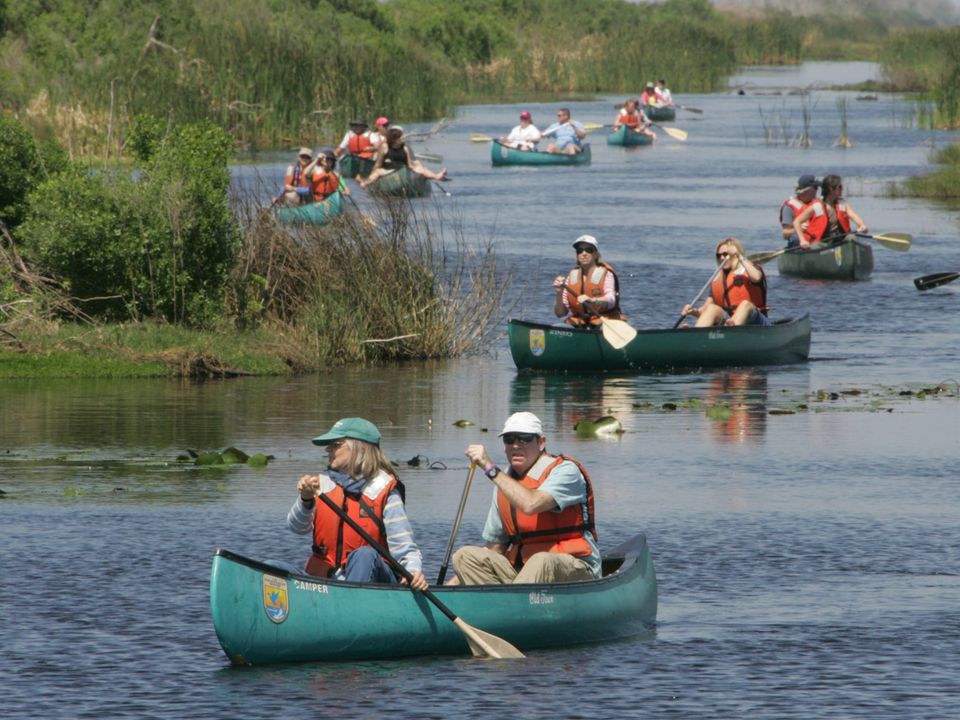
(631, 121)
(360, 145)
(820, 220)
(333, 539)
(562, 532)
(324, 184)
(728, 290)
(796, 205)
(592, 286)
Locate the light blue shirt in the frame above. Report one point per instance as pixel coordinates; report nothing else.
(565, 484)
(565, 134)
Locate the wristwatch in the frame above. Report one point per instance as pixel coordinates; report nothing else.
(491, 472)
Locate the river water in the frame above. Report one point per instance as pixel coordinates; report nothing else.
(804, 520)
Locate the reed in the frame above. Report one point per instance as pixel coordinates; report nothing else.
(844, 139)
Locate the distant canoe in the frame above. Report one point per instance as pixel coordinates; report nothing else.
(501, 154)
(352, 165)
(535, 346)
(317, 213)
(265, 615)
(661, 114)
(626, 137)
(847, 260)
(403, 182)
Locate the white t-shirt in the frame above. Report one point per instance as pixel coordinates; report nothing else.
(522, 136)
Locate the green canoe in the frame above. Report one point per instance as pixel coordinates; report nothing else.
(501, 154)
(847, 260)
(401, 183)
(352, 165)
(317, 213)
(536, 346)
(265, 615)
(626, 137)
(660, 114)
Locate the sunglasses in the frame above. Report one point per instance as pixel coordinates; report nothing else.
(518, 438)
(721, 256)
(336, 444)
(585, 248)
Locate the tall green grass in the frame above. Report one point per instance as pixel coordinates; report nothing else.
(928, 62)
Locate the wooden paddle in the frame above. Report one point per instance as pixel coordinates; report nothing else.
(482, 644)
(441, 576)
(617, 333)
(699, 294)
(429, 157)
(928, 282)
(892, 241)
(478, 137)
(591, 126)
(675, 133)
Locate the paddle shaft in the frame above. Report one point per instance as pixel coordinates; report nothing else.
(699, 294)
(442, 575)
(761, 258)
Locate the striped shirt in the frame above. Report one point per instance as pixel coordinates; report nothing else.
(400, 540)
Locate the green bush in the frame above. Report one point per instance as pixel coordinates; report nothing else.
(20, 169)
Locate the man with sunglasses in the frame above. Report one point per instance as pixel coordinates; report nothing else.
(540, 526)
(565, 134)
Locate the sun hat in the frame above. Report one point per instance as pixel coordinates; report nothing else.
(361, 123)
(805, 182)
(522, 422)
(305, 151)
(353, 427)
(398, 128)
(382, 122)
(649, 84)
(524, 115)
(586, 240)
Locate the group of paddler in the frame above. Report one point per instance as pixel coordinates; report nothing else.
(313, 179)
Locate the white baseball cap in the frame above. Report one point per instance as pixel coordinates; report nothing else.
(586, 240)
(523, 422)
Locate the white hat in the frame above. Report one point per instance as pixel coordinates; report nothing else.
(523, 422)
(586, 240)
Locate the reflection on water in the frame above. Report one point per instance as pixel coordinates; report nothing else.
(568, 399)
(741, 396)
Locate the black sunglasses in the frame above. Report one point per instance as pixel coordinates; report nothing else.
(521, 438)
(721, 256)
(585, 248)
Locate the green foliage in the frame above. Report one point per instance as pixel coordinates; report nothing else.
(145, 137)
(160, 246)
(928, 61)
(21, 169)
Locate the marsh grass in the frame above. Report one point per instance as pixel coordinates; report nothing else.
(844, 139)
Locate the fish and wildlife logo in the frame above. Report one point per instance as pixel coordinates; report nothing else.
(275, 598)
(538, 342)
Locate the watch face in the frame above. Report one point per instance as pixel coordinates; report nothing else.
(492, 472)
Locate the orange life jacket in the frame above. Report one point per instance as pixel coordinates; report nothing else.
(324, 184)
(592, 286)
(819, 221)
(562, 532)
(631, 121)
(360, 145)
(797, 205)
(728, 290)
(333, 539)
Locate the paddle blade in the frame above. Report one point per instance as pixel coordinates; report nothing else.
(928, 282)
(617, 332)
(483, 644)
(894, 241)
(588, 126)
(477, 137)
(675, 133)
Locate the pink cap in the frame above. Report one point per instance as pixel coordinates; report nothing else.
(381, 122)
(524, 115)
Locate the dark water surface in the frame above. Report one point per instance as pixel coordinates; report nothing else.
(809, 563)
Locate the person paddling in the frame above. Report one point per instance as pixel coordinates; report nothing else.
(296, 186)
(738, 293)
(830, 216)
(590, 291)
(634, 118)
(358, 141)
(566, 135)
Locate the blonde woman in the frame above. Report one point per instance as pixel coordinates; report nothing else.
(361, 481)
(738, 293)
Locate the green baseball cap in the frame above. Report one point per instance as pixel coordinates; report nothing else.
(354, 427)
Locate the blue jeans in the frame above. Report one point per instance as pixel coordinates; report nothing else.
(364, 565)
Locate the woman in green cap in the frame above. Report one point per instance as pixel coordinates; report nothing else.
(361, 481)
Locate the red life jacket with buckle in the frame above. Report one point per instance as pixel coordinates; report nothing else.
(324, 184)
(591, 285)
(728, 290)
(360, 145)
(562, 532)
(819, 221)
(333, 539)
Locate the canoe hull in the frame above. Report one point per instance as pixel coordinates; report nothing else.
(265, 615)
(501, 154)
(552, 348)
(402, 183)
(350, 166)
(848, 260)
(661, 114)
(318, 213)
(625, 137)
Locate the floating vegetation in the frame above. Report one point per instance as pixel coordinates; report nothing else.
(463, 423)
(605, 427)
(719, 412)
(230, 456)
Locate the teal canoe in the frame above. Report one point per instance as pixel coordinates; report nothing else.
(626, 137)
(403, 182)
(501, 154)
(847, 260)
(661, 114)
(265, 615)
(317, 213)
(537, 346)
(350, 166)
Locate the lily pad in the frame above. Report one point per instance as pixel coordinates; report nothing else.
(232, 456)
(718, 412)
(605, 426)
(463, 423)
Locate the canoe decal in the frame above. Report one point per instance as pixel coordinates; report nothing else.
(538, 342)
(838, 255)
(275, 598)
(539, 597)
(504, 152)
